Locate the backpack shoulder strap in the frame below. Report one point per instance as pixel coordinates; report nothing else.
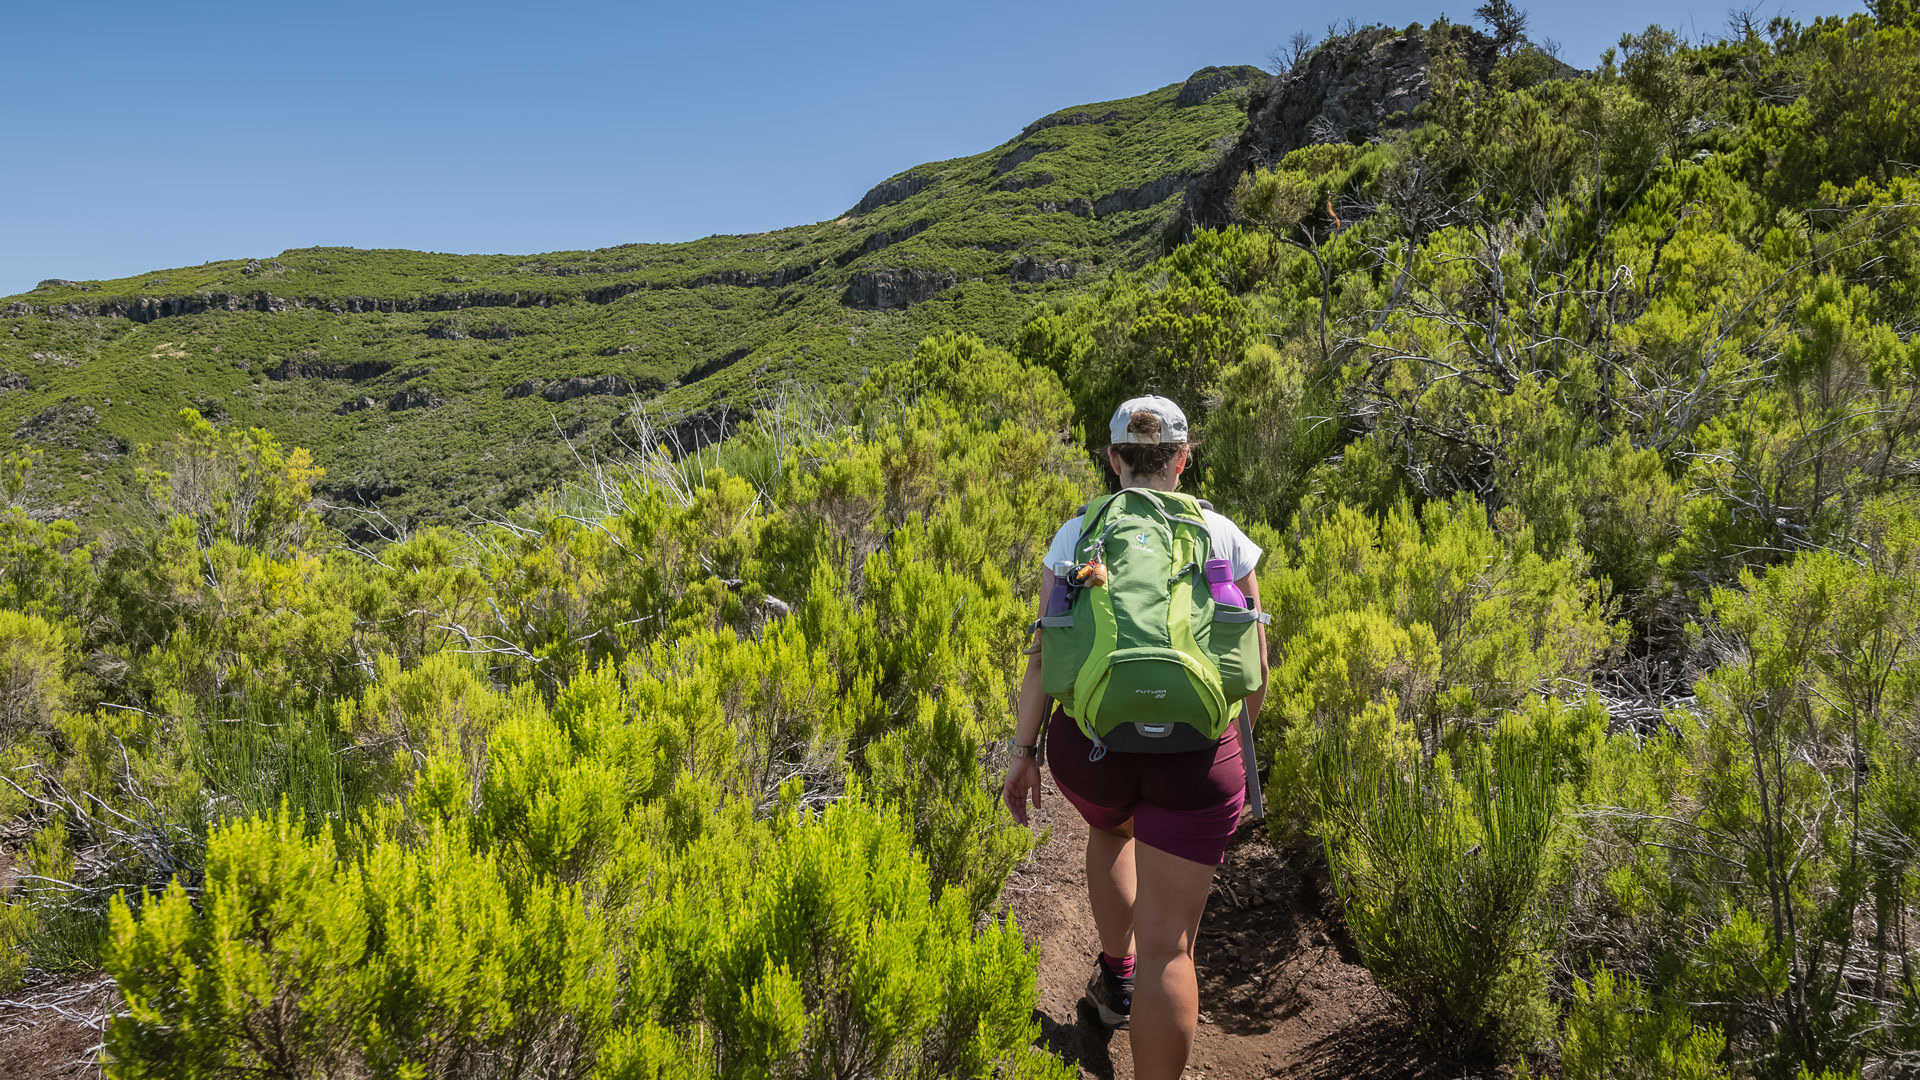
(1093, 511)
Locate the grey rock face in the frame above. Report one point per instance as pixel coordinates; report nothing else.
(57, 283)
(12, 380)
(747, 279)
(354, 405)
(578, 387)
(301, 367)
(1202, 85)
(1020, 183)
(71, 425)
(145, 309)
(1020, 155)
(414, 399)
(887, 239)
(897, 189)
(1151, 193)
(881, 289)
(1076, 207)
(1034, 272)
(584, 386)
(1355, 86)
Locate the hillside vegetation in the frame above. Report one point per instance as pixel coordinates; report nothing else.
(1576, 415)
(433, 386)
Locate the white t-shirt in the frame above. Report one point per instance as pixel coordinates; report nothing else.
(1229, 543)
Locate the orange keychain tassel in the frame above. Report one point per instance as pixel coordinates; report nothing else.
(1093, 574)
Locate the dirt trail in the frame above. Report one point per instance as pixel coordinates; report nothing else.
(1281, 992)
(48, 1031)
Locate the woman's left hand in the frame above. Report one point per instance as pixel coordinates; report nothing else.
(1023, 781)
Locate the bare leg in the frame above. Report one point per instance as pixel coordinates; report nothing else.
(1166, 995)
(1110, 887)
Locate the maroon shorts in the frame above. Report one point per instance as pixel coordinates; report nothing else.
(1187, 805)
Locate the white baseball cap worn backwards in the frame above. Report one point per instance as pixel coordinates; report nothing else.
(1173, 422)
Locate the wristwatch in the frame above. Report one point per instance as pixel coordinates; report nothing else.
(1018, 750)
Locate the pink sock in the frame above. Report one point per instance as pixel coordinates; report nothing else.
(1121, 968)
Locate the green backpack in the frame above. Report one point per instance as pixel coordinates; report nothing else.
(1149, 661)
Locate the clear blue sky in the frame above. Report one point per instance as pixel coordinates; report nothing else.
(145, 136)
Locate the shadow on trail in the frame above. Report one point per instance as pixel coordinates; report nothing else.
(1083, 1043)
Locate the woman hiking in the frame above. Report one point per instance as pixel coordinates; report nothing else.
(1158, 822)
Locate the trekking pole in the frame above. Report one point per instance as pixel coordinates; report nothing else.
(1255, 799)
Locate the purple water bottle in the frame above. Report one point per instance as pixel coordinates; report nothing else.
(1220, 582)
(1057, 603)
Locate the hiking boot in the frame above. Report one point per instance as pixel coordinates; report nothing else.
(1111, 996)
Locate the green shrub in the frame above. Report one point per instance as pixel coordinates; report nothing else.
(807, 946)
(1446, 879)
(1612, 1033)
(34, 661)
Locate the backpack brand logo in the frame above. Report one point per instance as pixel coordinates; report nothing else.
(1155, 694)
(1141, 539)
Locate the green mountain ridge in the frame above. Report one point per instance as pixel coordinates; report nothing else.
(433, 384)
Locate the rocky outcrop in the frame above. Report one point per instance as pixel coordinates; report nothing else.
(881, 289)
(896, 189)
(1151, 193)
(306, 367)
(1352, 87)
(750, 279)
(1020, 155)
(700, 430)
(879, 241)
(146, 309)
(1203, 85)
(580, 386)
(11, 381)
(1076, 207)
(893, 236)
(1035, 272)
(71, 425)
(354, 405)
(1020, 183)
(414, 399)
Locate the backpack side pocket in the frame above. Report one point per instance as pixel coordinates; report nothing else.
(1061, 654)
(1233, 642)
